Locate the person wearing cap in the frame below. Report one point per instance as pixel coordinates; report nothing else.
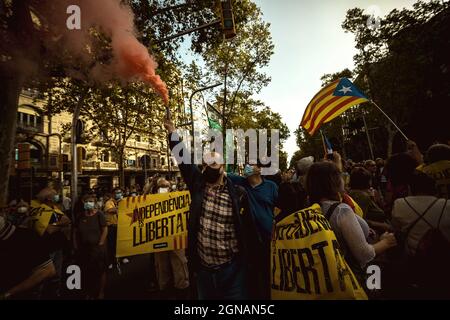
(25, 263)
(171, 266)
(222, 235)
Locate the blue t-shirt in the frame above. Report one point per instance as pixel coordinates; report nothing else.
(262, 200)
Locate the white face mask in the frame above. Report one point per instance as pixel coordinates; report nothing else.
(22, 210)
(163, 190)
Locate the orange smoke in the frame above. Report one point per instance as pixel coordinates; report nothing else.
(134, 61)
(131, 60)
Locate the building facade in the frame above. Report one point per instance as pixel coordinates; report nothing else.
(43, 154)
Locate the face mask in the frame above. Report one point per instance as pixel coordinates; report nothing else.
(89, 205)
(211, 175)
(22, 210)
(99, 204)
(56, 198)
(248, 170)
(163, 190)
(118, 196)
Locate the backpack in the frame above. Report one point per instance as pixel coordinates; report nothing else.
(431, 262)
(307, 262)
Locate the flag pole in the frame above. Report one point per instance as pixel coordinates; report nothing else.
(367, 134)
(323, 144)
(393, 123)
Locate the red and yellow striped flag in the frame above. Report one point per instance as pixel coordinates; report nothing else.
(330, 102)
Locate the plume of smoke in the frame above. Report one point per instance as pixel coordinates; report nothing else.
(130, 61)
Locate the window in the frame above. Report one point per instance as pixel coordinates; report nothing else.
(138, 138)
(162, 161)
(105, 156)
(154, 163)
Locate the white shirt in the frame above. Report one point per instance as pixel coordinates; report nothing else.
(351, 232)
(403, 216)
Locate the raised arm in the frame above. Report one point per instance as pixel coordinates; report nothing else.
(189, 171)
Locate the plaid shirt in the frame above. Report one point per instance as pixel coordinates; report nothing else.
(217, 241)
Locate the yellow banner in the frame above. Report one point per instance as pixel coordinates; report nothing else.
(40, 216)
(152, 223)
(307, 262)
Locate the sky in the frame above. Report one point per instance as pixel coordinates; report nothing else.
(309, 42)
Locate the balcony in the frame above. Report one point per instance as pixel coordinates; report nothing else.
(89, 165)
(30, 128)
(108, 166)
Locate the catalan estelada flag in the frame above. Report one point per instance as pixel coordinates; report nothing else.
(331, 102)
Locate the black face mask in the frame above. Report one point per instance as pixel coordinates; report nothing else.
(211, 175)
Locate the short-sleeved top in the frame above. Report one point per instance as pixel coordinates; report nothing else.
(20, 255)
(89, 229)
(403, 215)
(111, 219)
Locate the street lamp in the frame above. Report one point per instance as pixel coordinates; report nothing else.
(190, 104)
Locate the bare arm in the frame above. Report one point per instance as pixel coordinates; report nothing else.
(103, 236)
(37, 277)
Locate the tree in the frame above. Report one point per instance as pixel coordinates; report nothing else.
(398, 63)
(238, 63)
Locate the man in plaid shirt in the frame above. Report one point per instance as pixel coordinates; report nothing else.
(223, 241)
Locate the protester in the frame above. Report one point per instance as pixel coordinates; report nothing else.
(262, 195)
(111, 209)
(380, 176)
(324, 185)
(339, 163)
(221, 232)
(423, 202)
(171, 266)
(292, 194)
(55, 239)
(438, 167)
(423, 223)
(25, 262)
(371, 166)
(18, 213)
(399, 170)
(301, 167)
(66, 203)
(90, 243)
(362, 192)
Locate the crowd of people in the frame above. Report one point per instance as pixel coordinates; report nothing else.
(393, 213)
(34, 255)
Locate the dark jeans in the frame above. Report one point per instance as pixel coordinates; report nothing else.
(226, 283)
(112, 242)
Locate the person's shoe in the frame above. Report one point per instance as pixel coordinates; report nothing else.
(110, 266)
(125, 261)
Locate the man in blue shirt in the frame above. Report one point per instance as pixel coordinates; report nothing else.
(262, 196)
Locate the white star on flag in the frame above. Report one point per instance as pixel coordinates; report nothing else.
(344, 89)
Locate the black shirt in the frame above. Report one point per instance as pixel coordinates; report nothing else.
(89, 229)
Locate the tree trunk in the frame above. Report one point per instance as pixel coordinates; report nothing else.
(390, 142)
(9, 101)
(121, 170)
